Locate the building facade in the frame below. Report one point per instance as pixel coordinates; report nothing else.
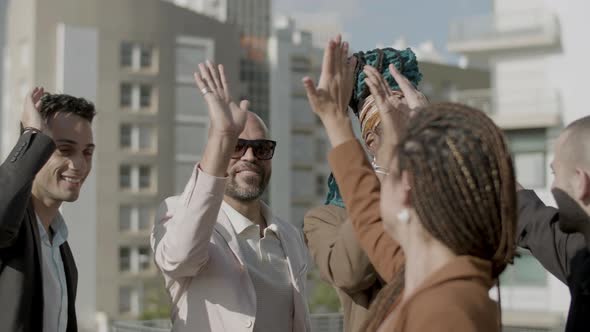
(300, 167)
(253, 18)
(134, 59)
(535, 57)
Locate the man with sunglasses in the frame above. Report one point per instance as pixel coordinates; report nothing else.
(228, 263)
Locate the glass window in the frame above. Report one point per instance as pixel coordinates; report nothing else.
(321, 186)
(125, 218)
(144, 258)
(526, 271)
(530, 169)
(145, 177)
(188, 59)
(125, 299)
(125, 136)
(188, 102)
(145, 217)
(182, 173)
(190, 139)
(145, 95)
(124, 259)
(146, 54)
(125, 177)
(125, 98)
(126, 54)
(146, 137)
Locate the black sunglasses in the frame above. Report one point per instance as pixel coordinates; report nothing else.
(263, 149)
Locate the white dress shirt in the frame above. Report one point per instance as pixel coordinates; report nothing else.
(55, 290)
(269, 271)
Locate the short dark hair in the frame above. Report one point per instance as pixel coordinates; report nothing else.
(54, 103)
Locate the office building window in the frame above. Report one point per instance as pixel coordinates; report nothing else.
(145, 56)
(320, 185)
(138, 137)
(147, 136)
(145, 177)
(125, 299)
(125, 139)
(125, 218)
(145, 95)
(125, 95)
(146, 217)
(528, 149)
(124, 259)
(144, 257)
(526, 271)
(137, 56)
(530, 169)
(125, 177)
(126, 54)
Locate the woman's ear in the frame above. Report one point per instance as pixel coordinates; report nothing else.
(406, 189)
(372, 141)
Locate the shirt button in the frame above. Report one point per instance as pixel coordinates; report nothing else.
(249, 323)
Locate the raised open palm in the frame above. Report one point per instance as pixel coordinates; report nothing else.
(226, 116)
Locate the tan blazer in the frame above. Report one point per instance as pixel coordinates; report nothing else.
(342, 262)
(196, 248)
(453, 299)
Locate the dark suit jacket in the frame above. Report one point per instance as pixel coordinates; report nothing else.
(538, 231)
(21, 279)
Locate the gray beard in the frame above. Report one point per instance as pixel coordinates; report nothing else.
(253, 192)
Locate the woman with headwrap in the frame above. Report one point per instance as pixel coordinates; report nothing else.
(330, 237)
(448, 199)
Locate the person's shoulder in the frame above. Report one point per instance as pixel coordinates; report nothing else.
(460, 303)
(461, 295)
(327, 213)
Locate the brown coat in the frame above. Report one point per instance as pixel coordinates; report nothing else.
(453, 299)
(342, 262)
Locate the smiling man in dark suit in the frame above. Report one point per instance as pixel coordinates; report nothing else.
(48, 165)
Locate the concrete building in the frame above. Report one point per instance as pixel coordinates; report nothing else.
(3, 64)
(300, 168)
(536, 60)
(134, 59)
(253, 17)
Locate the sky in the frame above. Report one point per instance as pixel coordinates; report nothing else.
(368, 23)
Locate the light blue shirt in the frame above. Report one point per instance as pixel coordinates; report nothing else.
(55, 290)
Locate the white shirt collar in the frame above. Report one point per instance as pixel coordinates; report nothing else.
(241, 223)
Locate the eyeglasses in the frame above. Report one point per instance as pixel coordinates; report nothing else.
(263, 149)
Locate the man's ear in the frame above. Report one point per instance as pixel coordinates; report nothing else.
(582, 186)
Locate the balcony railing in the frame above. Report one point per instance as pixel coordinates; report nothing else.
(520, 109)
(331, 322)
(504, 30)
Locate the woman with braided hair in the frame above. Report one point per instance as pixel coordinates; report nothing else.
(329, 234)
(448, 199)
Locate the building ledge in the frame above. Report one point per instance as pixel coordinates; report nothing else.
(509, 121)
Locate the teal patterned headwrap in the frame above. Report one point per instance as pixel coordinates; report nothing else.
(334, 197)
(405, 61)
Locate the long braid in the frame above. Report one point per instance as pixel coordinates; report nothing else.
(384, 301)
(462, 188)
(457, 135)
